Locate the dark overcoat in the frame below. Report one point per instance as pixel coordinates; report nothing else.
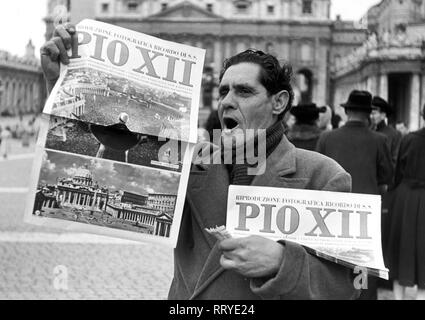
(197, 270)
(304, 136)
(405, 245)
(363, 153)
(393, 139)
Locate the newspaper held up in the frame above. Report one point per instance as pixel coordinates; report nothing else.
(115, 145)
(342, 227)
(155, 82)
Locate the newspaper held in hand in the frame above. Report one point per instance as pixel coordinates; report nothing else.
(114, 150)
(219, 232)
(342, 227)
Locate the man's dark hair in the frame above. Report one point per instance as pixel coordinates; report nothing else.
(273, 76)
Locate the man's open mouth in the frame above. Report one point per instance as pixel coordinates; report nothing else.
(230, 125)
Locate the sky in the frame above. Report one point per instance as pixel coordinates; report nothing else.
(21, 20)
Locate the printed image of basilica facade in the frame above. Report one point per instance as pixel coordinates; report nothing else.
(81, 199)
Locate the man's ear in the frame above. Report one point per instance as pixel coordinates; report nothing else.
(280, 102)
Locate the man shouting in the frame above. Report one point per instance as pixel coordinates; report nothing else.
(254, 94)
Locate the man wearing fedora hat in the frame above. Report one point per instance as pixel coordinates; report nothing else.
(379, 116)
(305, 133)
(361, 152)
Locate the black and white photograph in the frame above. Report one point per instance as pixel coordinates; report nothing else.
(94, 96)
(106, 194)
(115, 142)
(87, 189)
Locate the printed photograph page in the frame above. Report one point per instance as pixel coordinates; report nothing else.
(117, 73)
(340, 226)
(81, 182)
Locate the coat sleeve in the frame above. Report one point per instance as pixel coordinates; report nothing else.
(401, 161)
(395, 147)
(320, 146)
(303, 276)
(306, 277)
(385, 169)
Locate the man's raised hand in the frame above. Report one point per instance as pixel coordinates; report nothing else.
(54, 51)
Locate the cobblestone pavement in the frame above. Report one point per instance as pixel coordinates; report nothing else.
(32, 261)
(92, 271)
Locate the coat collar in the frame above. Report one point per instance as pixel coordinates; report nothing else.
(282, 160)
(381, 126)
(355, 123)
(304, 132)
(205, 178)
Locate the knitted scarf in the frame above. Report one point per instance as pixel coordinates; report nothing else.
(238, 173)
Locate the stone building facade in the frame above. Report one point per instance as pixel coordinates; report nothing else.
(391, 63)
(22, 88)
(162, 202)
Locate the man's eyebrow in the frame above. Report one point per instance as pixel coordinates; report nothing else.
(244, 86)
(237, 86)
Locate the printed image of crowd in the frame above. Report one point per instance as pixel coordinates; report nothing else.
(115, 142)
(97, 97)
(107, 194)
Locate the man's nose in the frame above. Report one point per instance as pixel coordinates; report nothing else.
(229, 101)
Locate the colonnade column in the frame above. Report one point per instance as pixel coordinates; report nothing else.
(383, 86)
(415, 107)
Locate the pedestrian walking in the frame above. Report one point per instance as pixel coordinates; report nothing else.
(361, 152)
(379, 118)
(405, 249)
(5, 137)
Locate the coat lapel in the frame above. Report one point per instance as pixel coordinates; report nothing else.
(202, 200)
(208, 187)
(281, 163)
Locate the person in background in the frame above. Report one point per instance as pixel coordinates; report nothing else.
(305, 133)
(361, 152)
(379, 123)
(5, 137)
(379, 117)
(325, 119)
(401, 127)
(405, 249)
(336, 121)
(213, 123)
(289, 121)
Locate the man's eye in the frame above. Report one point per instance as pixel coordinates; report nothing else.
(222, 93)
(244, 91)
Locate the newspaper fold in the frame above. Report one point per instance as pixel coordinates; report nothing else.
(342, 227)
(219, 232)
